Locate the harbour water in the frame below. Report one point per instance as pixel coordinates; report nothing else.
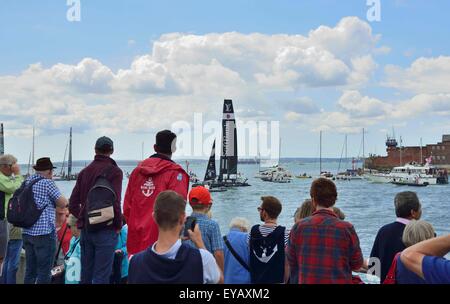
(367, 206)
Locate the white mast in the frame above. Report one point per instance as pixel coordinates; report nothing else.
(279, 152)
(364, 155)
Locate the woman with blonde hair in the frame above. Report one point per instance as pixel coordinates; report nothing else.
(304, 211)
(415, 232)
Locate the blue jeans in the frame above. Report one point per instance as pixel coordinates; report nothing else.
(40, 255)
(11, 262)
(97, 255)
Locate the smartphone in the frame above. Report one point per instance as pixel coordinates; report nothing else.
(190, 223)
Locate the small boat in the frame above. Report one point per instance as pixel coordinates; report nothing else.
(193, 178)
(327, 175)
(277, 174)
(216, 189)
(278, 177)
(350, 174)
(303, 176)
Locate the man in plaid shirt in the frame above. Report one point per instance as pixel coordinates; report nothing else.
(201, 202)
(40, 239)
(323, 249)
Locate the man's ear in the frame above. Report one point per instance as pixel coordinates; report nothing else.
(182, 219)
(314, 204)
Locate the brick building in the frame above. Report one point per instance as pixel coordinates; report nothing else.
(399, 156)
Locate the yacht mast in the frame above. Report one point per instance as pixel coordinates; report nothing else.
(29, 165)
(401, 160)
(32, 148)
(421, 154)
(2, 140)
(364, 155)
(69, 162)
(279, 152)
(320, 153)
(345, 147)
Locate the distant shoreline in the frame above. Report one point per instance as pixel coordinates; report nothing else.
(77, 163)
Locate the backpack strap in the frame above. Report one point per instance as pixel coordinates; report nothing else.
(69, 254)
(391, 276)
(30, 186)
(235, 254)
(33, 182)
(60, 245)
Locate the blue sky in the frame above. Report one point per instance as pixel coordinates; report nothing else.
(117, 33)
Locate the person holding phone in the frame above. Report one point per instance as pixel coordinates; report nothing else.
(201, 203)
(168, 260)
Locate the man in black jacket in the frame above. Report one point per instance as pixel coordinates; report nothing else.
(388, 241)
(97, 247)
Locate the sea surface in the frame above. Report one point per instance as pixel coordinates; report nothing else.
(367, 206)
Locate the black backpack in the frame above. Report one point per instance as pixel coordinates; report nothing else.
(99, 209)
(22, 209)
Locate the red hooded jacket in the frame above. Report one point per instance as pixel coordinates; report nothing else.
(153, 176)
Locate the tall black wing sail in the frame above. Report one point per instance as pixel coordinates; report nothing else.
(211, 174)
(228, 158)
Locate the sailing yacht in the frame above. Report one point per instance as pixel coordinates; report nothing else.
(350, 174)
(69, 176)
(210, 179)
(323, 174)
(228, 175)
(277, 173)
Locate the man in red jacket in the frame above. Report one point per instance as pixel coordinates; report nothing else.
(154, 175)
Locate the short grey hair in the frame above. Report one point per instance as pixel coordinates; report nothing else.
(405, 202)
(416, 232)
(241, 223)
(7, 160)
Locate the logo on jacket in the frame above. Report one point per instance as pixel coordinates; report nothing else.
(263, 254)
(180, 177)
(148, 187)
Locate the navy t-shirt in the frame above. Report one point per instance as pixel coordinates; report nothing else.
(436, 270)
(404, 276)
(387, 243)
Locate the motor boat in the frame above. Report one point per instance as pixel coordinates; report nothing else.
(425, 173)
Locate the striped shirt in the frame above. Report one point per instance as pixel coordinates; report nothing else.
(266, 230)
(45, 195)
